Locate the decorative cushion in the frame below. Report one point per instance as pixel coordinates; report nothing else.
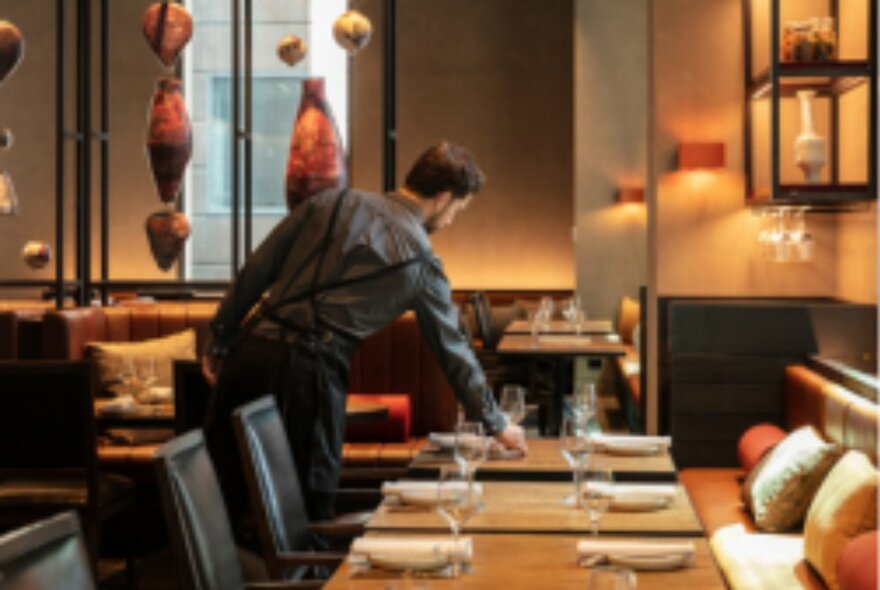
(115, 358)
(394, 428)
(756, 442)
(844, 506)
(857, 564)
(779, 489)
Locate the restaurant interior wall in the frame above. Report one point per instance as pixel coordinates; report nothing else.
(611, 136)
(495, 76)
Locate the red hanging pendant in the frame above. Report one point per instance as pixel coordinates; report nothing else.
(168, 28)
(11, 48)
(317, 159)
(167, 231)
(169, 142)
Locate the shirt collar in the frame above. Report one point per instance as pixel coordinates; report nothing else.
(408, 204)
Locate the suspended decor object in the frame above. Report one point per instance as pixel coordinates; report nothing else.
(8, 197)
(36, 254)
(168, 28)
(292, 50)
(6, 138)
(11, 48)
(169, 141)
(317, 158)
(352, 31)
(809, 146)
(167, 231)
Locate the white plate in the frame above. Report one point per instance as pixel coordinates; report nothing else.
(630, 449)
(650, 562)
(417, 563)
(640, 504)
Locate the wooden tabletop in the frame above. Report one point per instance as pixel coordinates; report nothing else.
(537, 507)
(561, 345)
(538, 561)
(561, 327)
(544, 462)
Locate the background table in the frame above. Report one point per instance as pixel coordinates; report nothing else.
(533, 507)
(544, 462)
(561, 327)
(541, 561)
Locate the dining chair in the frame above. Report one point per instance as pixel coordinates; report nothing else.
(275, 493)
(48, 453)
(46, 555)
(201, 536)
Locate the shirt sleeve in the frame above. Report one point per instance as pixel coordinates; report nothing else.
(438, 321)
(255, 277)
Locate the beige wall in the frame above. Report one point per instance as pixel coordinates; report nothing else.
(611, 126)
(493, 75)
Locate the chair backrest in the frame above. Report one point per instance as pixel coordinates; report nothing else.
(46, 555)
(191, 395)
(198, 524)
(483, 312)
(272, 480)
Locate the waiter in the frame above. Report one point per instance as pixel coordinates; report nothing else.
(339, 267)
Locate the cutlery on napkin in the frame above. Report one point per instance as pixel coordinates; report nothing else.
(404, 550)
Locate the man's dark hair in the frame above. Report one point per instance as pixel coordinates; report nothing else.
(445, 167)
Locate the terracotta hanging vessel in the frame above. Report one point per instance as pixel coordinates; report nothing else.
(168, 28)
(352, 31)
(36, 254)
(8, 197)
(11, 48)
(169, 142)
(167, 231)
(317, 158)
(6, 139)
(292, 50)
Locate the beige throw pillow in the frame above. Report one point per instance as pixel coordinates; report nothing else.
(779, 489)
(115, 358)
(844, 506)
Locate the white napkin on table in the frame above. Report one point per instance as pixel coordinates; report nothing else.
(589, 549)
(427, 490)
(121, 405)
(609, 442)
(446, 440)
(460, 550)
(632, 492)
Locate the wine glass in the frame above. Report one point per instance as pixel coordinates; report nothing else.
(471, 449)
(586, 405)
(574, 448)
(455, 501)
(609, 577)
(596, 491)
(513, 403)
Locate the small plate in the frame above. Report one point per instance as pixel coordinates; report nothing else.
(629, 449)
(650, 562)
(416, 563)
(640, 504)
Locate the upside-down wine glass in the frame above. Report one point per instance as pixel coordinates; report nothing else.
(575, 450)
(596, 491)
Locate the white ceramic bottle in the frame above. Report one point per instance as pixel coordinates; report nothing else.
(809, 146)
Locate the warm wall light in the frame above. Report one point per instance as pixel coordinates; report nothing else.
(631, 194)
(700, 155)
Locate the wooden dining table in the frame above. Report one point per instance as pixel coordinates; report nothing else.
(562, 327)
(536, 561)
(544, 462)
(538, 507)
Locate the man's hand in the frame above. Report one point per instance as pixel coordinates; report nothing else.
(210, 369)
(513, 437)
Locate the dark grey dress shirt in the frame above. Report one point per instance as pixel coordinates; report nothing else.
(372, 232)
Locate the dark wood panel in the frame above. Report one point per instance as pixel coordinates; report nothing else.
(717, 453)
(726, 397)
(702, 426)
(705, 368)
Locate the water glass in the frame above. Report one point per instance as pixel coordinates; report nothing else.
(513, 403)
(609, 577)
(596, 491)
(575, 450)
(454, 504)
(586, 404)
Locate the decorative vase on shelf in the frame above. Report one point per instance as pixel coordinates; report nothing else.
(317, 159)
(169, 142)
(809, 146)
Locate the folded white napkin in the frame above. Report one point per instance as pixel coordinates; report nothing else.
(610, 442)
(446, 440)
(426, 491)
(632, 492)
(460, 550)
(120, 405)
(593, 548)
(157, 395)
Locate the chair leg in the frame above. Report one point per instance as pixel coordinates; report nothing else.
(130, 572)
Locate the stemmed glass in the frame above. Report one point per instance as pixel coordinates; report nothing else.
(596, 491)
(513, 403)
(455, 503)
(609, 577)
(586, 405)
(575, 450)
(471, 449)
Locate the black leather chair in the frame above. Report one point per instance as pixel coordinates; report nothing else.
(47, 555)
(198, 524)
(275, 494)
(48, 456)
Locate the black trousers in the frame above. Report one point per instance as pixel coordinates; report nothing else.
(259, 366)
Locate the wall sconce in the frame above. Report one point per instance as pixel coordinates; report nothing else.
(700, 155)
(631, 194)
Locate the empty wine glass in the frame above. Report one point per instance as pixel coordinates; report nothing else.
(585, 405)
(574, 448)
(471, 448)
(609, 577)
(513, 403)
(455, 501)
(596, 491)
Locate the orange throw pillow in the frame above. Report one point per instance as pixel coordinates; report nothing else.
(857, 564)
(755, 442)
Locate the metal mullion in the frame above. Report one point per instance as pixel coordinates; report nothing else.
(389, 118)
(774, 97)
(236, 124)
(60, 81)
(248, 128)
(105, 148)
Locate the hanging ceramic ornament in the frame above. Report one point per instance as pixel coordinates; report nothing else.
(8, 198)
(6, 138)
(169, 141)
(166, 232)
(36, 254)
(168, 28)
(292, 50)
(11, 48)
(352, 31)
(317, 159)
(809, 146)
